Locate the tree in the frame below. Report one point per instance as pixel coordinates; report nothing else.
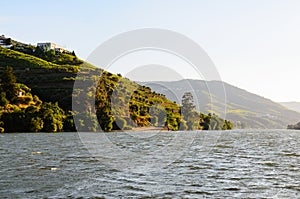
(227, 125)
(296, 126)
(53, 117)
(69, 125)
(14, 121)
(183, 126)
(36, 124)
(187, 103)
(8, 84)
(188, 111)
(3, 100)
(8, 41)
(39, 52)
(205, 123)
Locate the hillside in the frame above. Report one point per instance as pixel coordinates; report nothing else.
(51, 76)
(245, 109)
(295, 106)
(47, 80)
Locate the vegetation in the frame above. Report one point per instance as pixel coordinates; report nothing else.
(188, 112)
(120, 103)
(295, 127)
(26, 113)
(192, 120)
(247, 110)
(9, 89)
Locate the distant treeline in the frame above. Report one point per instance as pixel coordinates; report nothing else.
(295, 126)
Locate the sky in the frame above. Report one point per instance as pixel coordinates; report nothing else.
(254, 44)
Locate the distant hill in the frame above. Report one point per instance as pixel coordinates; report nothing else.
(245, 109)
(295, 106)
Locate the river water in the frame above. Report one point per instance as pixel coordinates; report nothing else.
(206, 164)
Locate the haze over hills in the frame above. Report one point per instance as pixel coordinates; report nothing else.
(295, 106)
(245, 109)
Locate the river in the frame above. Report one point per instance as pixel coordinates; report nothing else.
(203, 164)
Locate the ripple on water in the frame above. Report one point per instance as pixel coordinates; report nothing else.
(195, 192)
(267, 163)
(254, 164)
(291, 154)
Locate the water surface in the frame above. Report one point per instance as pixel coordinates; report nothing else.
(231, 164)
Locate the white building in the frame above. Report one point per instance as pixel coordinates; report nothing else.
(51, 46)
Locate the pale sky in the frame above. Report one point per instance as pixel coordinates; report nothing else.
(255, 44)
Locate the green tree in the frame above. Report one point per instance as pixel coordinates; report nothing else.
(33, 120)
(8, 41)
(3, 100)
(188, 111)
(69, 125)
(205, 121)
(37, 101)
(183, 126)
(8, 84)
(227, 125)
(14, 121)
(39, 52)
(106, 122)
(187, 102)
(53, 117)
(36, 124)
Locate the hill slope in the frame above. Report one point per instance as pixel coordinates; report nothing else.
(51, 76)
(295, 106)
(47, 80)
(245, 109)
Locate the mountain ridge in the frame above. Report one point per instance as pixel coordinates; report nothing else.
(247, 110)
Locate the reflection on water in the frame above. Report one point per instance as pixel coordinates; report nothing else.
(240, 164)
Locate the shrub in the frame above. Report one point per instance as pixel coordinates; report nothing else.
(183, 126)
(3, 100)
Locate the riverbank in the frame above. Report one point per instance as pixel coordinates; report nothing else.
(144, 129)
